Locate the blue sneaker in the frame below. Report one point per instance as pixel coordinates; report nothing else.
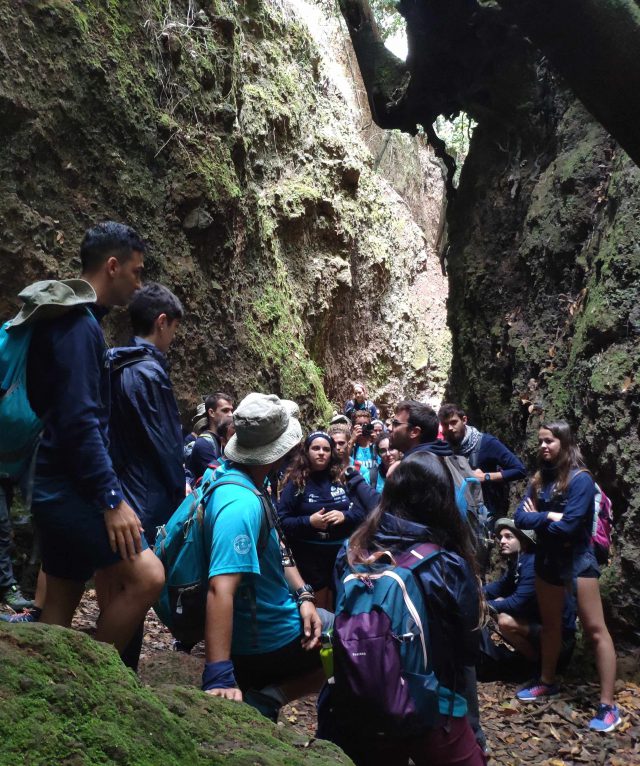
(536, 690)
(607, 718)
(28, 615)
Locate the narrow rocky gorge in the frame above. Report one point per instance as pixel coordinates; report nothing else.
(231, 137)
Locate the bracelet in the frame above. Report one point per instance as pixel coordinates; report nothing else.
(307, 597)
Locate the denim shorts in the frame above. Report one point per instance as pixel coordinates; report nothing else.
(586, 565)
(73, 538)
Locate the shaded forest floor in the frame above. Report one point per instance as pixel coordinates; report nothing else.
(549, 734)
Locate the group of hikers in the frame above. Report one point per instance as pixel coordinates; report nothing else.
(350, 561)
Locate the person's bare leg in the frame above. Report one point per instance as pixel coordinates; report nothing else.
(41, 590)
(300, 687)
(516, 634)
(324, 599)
(550, 604)
(592, 620)
(62, 599)
(133, 586)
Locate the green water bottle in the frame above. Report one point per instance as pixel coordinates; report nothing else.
(326, 654)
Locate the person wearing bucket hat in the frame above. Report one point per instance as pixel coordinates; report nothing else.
(84, 525)
(199, 423)
(262, 628)
(513, 603)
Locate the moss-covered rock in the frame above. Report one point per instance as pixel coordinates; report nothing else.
(67, 700)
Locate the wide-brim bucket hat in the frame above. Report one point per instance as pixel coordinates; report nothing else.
(266, 429)
(52, 297)
(506, 523)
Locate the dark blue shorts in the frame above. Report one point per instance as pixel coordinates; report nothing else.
(586, 565)
(554, 565)
(73, 538)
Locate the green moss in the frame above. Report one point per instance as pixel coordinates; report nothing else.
(65, 699)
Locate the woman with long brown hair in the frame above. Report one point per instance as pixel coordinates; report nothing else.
(316, 513)
(417, 506)
(559, 506)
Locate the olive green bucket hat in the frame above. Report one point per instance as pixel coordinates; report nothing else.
(51, 298)
(506, 523)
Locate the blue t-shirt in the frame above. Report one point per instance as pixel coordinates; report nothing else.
(232, 523)
(366, 457)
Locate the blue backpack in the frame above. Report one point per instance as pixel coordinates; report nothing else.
(182, 547)
(383, 678)
(20, 427)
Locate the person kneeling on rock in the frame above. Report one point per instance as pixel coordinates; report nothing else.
(262, 629)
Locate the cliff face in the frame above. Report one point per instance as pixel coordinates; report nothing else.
(543, 247)
(544, 262)
(221, 133)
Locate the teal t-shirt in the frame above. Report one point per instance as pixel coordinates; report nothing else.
(232, 522)
(367, 459)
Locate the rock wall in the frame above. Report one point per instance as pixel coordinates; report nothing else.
(544, 263)
(221, 133)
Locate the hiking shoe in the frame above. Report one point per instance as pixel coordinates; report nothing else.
(28, 615)
(536, 690)
(14, 599)
(607, 718)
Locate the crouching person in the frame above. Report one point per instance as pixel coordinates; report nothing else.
(262, 629)
(513, 603)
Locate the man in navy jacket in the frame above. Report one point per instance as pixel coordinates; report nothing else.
(146, 437)
(494, 464)
(85, 525)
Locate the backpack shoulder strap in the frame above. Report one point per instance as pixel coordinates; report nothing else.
(418, 555)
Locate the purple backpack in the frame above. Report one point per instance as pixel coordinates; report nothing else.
(382, 669)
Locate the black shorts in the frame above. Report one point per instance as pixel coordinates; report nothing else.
(586, 565)
(315, 562)
(73, 539)
(255, 671)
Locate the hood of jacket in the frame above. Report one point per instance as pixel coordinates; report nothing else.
(437, 447)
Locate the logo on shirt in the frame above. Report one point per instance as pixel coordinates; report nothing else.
(242, 544)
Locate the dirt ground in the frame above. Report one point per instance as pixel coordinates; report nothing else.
(549, 734)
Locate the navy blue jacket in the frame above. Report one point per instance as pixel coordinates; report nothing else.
(367, 406)
(438, 447)
(577, 507)
(146, 434)
(68, 387)
(205, 450)
(516, 588)
(295, 508)
(494, 457)
(451, 597)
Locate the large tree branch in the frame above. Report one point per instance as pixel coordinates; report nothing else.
(385, 76)
(595, 44)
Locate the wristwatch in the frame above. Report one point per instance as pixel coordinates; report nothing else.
(487, 477)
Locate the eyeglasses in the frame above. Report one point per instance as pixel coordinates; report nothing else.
(383, 451)
(396, 423)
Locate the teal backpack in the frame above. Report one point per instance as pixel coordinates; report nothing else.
(182, 547)
(20, 427)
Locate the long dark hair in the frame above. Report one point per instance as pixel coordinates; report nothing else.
(419, 489)
(569, 458)
(300, 467)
